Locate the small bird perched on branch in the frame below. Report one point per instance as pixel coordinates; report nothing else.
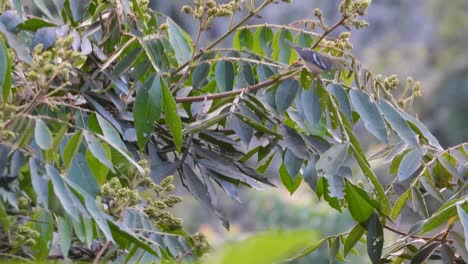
(318, 62)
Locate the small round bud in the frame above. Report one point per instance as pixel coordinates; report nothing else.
(187, 9)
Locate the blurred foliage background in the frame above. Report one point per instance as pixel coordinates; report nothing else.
(426, 39)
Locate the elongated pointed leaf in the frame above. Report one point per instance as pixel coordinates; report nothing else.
(375, 239)
(424, 253)
(147, 109)
(285, 94)
(464, 221)
(5, 72)
(263, 36)
(332, 159)
(62, 192)
(353, 237)
(369, 114)
(180, 42)
(243, 39)
(72, 148)
(359, 203)
(172, 117)
(224, 74)
(97, 150)
(409, 164)
(398, 124)
(311, 107)
(42, 135)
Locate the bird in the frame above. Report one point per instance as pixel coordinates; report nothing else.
(318, 62)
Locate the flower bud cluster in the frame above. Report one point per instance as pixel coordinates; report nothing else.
(351, 9)
(24, 236)
(207, 10)
(7, 113)
(54, 63)
(200, 242)
(156, 209)
(117, 196)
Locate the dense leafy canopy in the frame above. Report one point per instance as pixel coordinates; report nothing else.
(104, 102)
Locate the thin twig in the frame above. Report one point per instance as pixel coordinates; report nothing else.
(436, 237)
(101, 251)
(339, 23)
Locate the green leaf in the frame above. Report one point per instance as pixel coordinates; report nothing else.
(398, 124)
(99, 171)
(127, 60)
(442, 215)
(110, 132)
(409, 164)
(5, 72)
(375, 238)
(424, 253)
(43, 7)
(42, 135)
(256, 125)
(334, 246)
(45, 227)
(263, 36)
(303, 39)
(199, 75)
(343, 100)
(422, 130)
(172, 118)
(370, 114)
(385, 207)
(310, 249)
(96, 148)
(290, 182)
(72, 148)
(311, 107)
(34, 24)
(353, 237)
(292, 163)
(323, 190)
(65, 234)
(332, 159)
(281, 49)
(62, 192)
(147, 109)
(224, 74)
(464, 222)
(400, 202)
(4, 218)
(264, 248)
(81, 174)
(78, 8)
(419, 203)
(285, 94)
(294, 142)
(121, 234)
(243, 39)
(180, 42)
(359, 202)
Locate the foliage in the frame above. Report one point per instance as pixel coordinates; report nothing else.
(103, 101)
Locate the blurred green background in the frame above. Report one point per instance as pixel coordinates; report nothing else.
(425, 39)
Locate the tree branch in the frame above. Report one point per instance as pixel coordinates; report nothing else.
(234, 92)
